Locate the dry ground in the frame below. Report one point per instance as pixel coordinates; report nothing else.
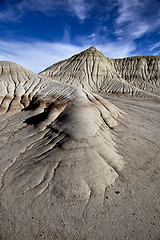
(132, 205)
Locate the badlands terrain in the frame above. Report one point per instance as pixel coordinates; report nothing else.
(80, 149)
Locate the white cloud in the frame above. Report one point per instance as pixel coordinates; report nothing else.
(135, 19)
(80, 7)
(139, 31)
(154, 46)
(37, 56)
(16, 11)
(118, 49)
(128, 10)
(156, 53)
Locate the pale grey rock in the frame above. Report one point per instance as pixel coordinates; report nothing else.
(95, 72)
(141, 71)
(57, 155)
(72, 164)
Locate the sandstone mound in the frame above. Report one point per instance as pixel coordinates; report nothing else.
(57, 155)
(95, 72)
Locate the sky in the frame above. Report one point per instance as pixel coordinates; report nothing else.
(39, 33)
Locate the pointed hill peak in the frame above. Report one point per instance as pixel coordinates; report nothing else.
(92, 50)
(93, 71)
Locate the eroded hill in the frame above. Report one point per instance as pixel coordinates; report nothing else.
(95, 72)
(57, 155)
(74, 165)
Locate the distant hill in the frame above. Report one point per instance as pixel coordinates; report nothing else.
(93, 71)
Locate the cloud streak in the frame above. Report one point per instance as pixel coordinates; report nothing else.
(135, 18)
(154, 46)
(37, 56)
(16, 11)
(80, 7)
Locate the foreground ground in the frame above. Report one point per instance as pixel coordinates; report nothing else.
(37, 206)
(132, 204)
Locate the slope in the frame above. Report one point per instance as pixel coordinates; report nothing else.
(57, 156)
(91, 70)
(141, 71)
(95, 72)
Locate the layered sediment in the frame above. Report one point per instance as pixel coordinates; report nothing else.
(95, 72)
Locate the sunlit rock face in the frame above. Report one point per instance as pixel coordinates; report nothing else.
(57, 155)
(95, 72)
(141, 71)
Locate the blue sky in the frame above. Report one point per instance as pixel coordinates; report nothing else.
(38, 33)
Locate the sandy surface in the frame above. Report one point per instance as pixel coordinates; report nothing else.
(74, 165)
(129, 208)
(132, 206)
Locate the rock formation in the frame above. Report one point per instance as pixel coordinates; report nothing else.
(95, 72)
(57, 151)
(141, 72)
(72, 164)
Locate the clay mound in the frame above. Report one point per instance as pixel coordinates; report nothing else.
(94, 72)
(58, 155)
(142, 71)
(91, 70)
(18, 85)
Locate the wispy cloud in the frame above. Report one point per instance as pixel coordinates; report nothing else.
(135, 18)
(37, 56)
(119, 49)
(80, 7)
(8, 14)
(154, 46)
(157, 53)
(127, 10)
(15, 11)
(98, 36)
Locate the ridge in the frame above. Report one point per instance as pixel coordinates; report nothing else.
(93, 71)
(92, 49)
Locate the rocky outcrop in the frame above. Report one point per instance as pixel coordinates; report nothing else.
(95, 72)
(57, 154)
(141, 72)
